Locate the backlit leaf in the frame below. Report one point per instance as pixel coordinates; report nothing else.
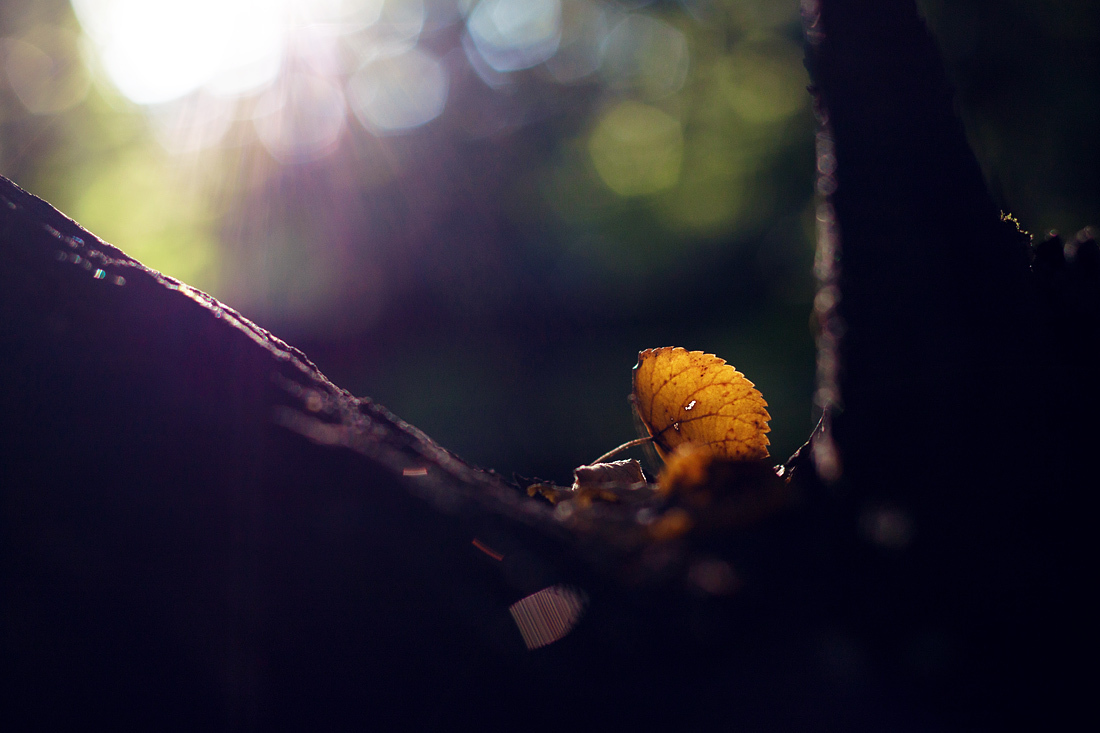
(688, 397)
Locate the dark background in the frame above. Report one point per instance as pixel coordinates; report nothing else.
(491, 274)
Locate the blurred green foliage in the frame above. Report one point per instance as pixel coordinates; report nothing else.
(478, 212)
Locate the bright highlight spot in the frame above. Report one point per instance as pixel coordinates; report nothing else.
(515, 34)
(637, 149)
(190, 62)
(158, 51)
(252, 57)
(398, 92)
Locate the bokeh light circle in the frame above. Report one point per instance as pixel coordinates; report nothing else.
(646, 54)
(637, 149)
(45, 69)
(515, 34)
(398, 92)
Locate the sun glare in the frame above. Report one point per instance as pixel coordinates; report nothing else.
(292, 155)
(299, 73)
(297, 66)
(299, 78)
(159, 51)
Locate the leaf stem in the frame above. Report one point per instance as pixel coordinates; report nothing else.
(624, 446)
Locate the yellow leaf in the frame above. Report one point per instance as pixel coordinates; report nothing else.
(688, 397)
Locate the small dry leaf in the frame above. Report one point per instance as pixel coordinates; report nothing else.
(607, 482)
(626, 473)
(688, 397)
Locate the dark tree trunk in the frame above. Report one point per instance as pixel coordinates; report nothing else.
(953, 408)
